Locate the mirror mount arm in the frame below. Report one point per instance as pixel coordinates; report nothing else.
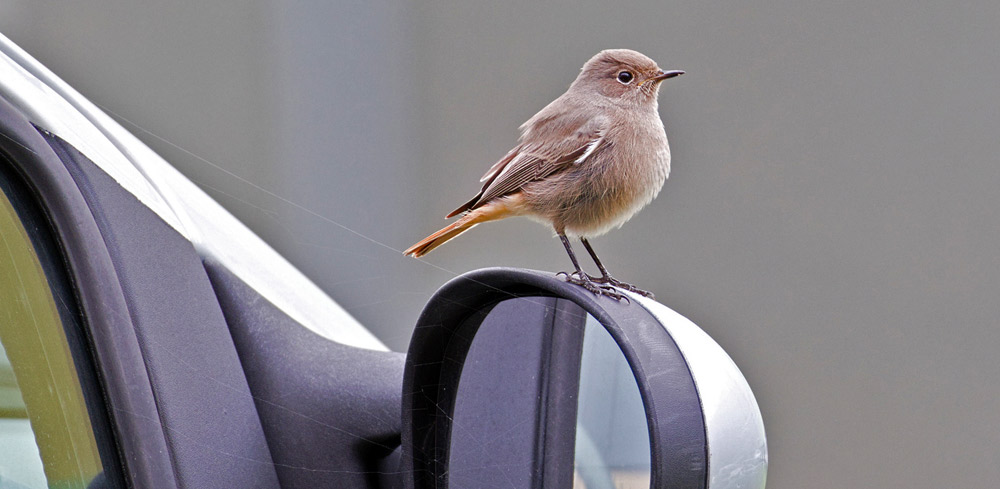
(443, 336)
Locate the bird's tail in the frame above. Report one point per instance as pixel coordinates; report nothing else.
(427, 244)
(463, 224)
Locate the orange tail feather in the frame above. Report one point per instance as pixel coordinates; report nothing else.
(427, 244)
(489, 212)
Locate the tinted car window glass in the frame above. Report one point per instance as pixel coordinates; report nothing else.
(46, 435)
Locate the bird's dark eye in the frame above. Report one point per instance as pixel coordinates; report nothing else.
(625, 77)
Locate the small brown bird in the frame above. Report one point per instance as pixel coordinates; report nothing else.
(584, 164)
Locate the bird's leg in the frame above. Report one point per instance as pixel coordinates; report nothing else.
(579, 277)
(606, 277)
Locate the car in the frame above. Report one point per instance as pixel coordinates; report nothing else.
(151, 340)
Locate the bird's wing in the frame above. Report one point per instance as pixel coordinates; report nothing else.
(551, 145)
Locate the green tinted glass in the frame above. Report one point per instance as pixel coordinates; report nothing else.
(46, 437)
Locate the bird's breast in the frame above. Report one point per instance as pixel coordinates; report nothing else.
(605, 191)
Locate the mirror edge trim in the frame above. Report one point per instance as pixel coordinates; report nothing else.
(429, 382)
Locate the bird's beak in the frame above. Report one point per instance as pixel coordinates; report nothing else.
(663, 75)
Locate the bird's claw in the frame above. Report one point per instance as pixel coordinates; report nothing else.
(586, 281)
(573, 277)
(613, 282)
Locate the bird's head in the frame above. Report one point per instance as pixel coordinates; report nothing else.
(623, 75)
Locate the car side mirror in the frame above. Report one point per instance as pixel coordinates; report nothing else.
(518, 377)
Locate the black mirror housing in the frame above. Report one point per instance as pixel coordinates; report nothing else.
(700, 412)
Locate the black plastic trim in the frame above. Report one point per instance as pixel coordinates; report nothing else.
(212, 427)
(132, 410)
(330, 412)
(678, 443)
(52, 261)
(514, 418)
(562, 394)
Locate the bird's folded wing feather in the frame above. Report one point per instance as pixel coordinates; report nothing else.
(548, 146)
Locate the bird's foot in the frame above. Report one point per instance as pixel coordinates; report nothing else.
(608, 280)
(586, 281)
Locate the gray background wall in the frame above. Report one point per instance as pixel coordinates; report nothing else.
(831, 218)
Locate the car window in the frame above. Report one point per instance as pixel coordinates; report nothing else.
(47, 438)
